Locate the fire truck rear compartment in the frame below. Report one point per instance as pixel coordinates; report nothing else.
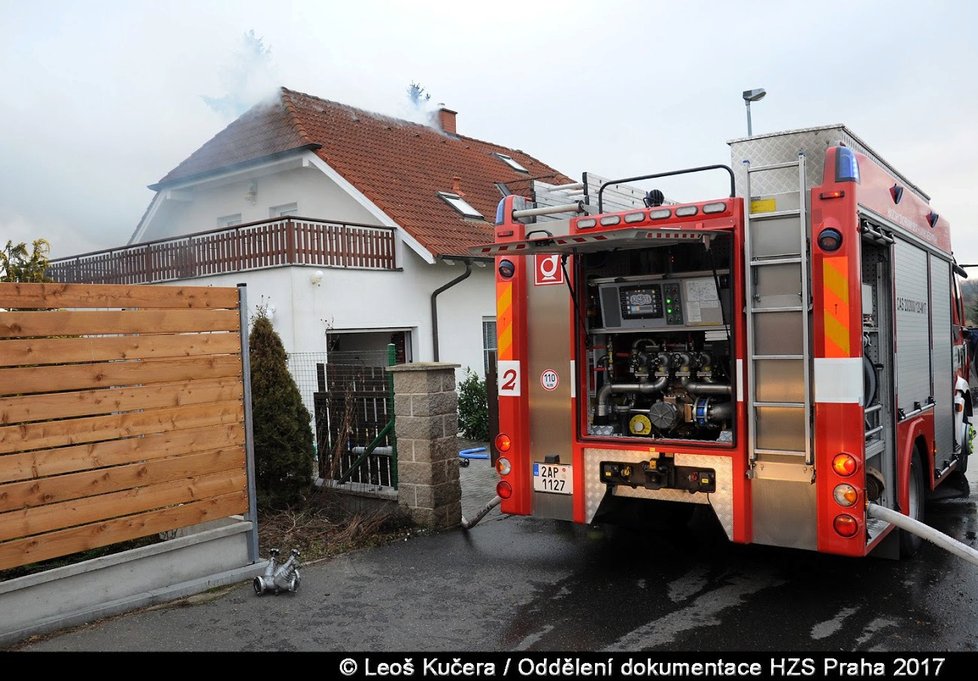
(659, 351)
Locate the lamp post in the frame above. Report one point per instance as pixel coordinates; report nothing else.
(754, 95)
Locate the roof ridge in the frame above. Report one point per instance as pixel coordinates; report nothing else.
(367, 112)
(294, 115)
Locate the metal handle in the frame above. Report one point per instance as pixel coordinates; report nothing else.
(685, 171)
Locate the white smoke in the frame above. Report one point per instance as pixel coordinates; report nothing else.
(417, 106)
(249, 78)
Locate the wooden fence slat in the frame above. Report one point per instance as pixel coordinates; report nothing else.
(28, 493)
(94, 402)
(100, 348)
(81, 322)
(37, 520)
(76, 431)
(28, 380)
(64, 542)
(45, 462)
(19, 295)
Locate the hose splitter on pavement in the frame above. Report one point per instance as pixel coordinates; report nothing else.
(279, 578)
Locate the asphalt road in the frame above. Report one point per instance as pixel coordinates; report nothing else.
(523, 584)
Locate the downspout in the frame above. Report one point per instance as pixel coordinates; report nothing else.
(434, 303)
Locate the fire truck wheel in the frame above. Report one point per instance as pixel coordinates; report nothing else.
(910, 543)
(967, 447)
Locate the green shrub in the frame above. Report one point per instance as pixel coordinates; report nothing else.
(473, 407)
(282, 434)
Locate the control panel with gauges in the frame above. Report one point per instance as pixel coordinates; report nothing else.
(646, 303)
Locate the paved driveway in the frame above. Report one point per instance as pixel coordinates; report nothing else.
(523, 584)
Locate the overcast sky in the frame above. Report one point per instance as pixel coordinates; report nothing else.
(101, 98)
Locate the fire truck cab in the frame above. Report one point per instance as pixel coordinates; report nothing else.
(783, 354)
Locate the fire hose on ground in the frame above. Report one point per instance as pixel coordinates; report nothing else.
(924, 532)
(469, 524)
(463, 460)
(875, 511)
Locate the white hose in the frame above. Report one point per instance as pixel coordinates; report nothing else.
(924, 531)
(469, 524)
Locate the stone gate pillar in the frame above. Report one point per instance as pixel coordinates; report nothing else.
(426, 426)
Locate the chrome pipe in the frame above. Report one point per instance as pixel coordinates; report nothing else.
(643, 388)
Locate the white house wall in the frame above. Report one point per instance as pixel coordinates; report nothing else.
(350, 299)
(316, 195)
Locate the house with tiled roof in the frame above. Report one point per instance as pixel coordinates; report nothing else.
(352, 228)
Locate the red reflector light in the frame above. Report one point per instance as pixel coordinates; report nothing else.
(504, 489)
(832, 195)
(844, 524)
(844, 464)
(503, 442)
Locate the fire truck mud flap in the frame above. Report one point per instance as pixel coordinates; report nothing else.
(924, 532)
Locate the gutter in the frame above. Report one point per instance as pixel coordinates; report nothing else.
(434, 303)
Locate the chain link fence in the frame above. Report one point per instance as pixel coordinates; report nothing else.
(307, 368)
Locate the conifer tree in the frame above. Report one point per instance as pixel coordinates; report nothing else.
(282, 434)
(19, 264)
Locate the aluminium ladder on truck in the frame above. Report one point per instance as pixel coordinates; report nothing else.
(777, 308)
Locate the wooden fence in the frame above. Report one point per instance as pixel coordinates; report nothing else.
(121, 414)
(256, 245)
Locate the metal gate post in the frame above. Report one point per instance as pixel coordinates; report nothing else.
(252, 514)
(391, 361)
(492, 402)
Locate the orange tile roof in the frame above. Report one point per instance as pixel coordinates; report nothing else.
(400, 166)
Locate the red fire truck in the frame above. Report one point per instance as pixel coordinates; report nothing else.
(786, 355)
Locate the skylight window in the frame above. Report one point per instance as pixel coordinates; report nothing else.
(459, 204)
(511, 162)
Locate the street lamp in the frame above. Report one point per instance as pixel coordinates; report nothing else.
(754, 95)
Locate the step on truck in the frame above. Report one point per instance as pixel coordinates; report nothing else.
(789, 355)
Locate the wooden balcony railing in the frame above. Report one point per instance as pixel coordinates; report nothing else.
(252, 246)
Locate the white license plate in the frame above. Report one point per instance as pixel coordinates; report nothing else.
(554, 478)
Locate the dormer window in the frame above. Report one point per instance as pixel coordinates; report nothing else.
(461, 205)
(511, 162)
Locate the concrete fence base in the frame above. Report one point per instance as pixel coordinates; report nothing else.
(79, 593)
(358, 497)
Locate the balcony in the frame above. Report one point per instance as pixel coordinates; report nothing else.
(253, 246)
